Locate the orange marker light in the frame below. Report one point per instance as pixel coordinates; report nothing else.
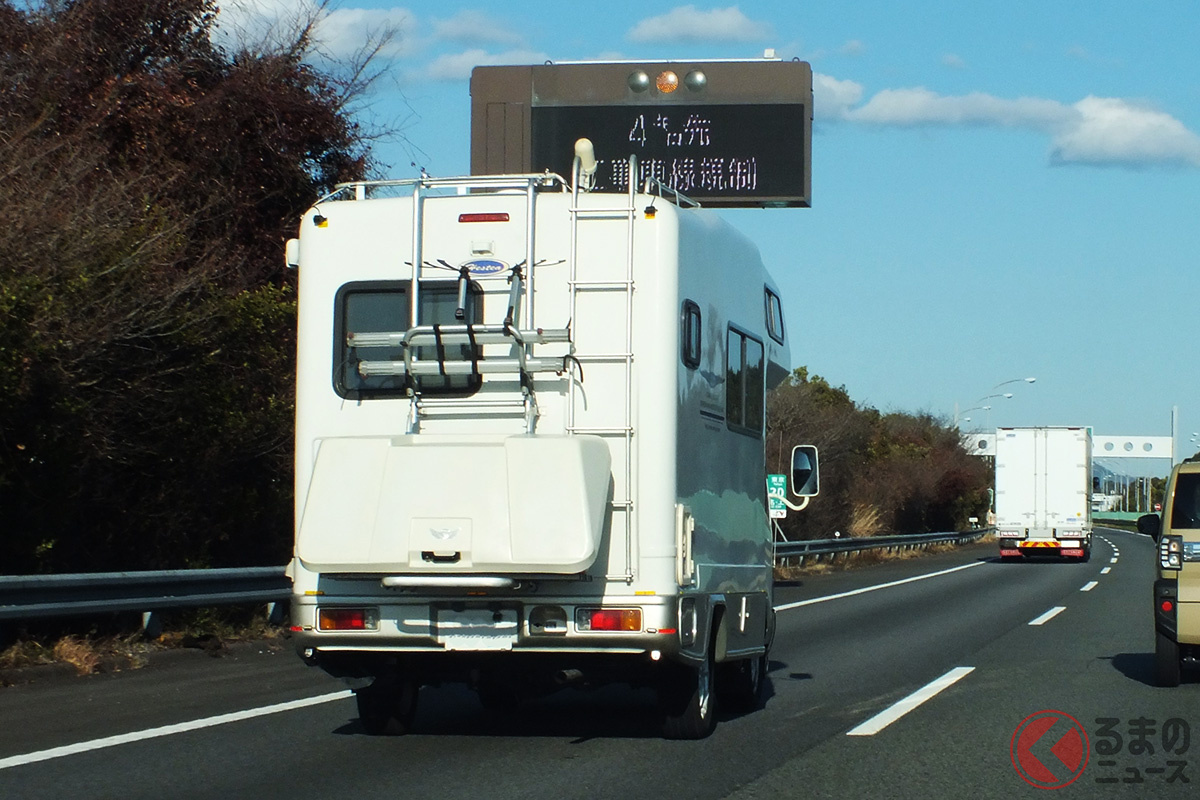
(667, 81)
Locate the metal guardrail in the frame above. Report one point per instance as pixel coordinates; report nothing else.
(26, 597)
(785, 551)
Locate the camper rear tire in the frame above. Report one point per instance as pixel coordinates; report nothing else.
(689, 701)
(388, 706)
(743, 683)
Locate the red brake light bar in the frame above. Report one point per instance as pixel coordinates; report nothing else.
(495, 217)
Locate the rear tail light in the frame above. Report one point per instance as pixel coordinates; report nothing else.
(1170, 552)
(347, 619)
(1166, 606)
(608, 619)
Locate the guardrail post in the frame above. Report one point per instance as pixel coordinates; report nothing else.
(152, 626)
(277, 613)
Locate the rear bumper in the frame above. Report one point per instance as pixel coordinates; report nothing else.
(1074, 547)
(1166, 591)
(431, 628)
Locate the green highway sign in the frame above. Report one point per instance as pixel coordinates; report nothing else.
(776, 492)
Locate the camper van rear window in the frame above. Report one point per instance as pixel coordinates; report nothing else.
(383, 307)
(745, 392)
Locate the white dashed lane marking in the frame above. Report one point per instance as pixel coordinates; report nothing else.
(1049, 615)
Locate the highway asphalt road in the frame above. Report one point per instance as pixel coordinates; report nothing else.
(906, 679)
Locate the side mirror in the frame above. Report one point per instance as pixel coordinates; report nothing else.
(806, 474)
(1150, 524)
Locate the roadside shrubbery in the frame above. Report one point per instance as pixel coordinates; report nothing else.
(148, 181)
(880, 473)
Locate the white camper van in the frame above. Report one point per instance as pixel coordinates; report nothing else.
(529, 445)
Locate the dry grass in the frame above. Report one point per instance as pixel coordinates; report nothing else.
(90, 652)
(865, 521)
(87, 653)
(79, 653)
(26, 654)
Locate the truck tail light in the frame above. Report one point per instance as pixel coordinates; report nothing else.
(347, 619)
(1166, 606)
(608, 619)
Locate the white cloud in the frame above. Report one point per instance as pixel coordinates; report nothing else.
(853, 48)
(345, 31)
(338, 33)
(1095, 130)
(474, 27)
(458, 66)
(689, 24)
(1114, 131)
(250, 22)
(833, 99)
(953, 61)
(919, 106)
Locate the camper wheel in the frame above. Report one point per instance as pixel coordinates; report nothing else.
(387, 707)
(743, 682)
(689, 700)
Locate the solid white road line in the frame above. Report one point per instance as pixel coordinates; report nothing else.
(865, 589)
(1087, 587)
(168, 730)
(889, 715)
(1049, 615)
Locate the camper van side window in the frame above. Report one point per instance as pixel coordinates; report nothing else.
(690, 335)
(383, 307)
(774, 316)
(744, 388)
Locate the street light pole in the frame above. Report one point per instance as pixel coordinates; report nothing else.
(1006, 395)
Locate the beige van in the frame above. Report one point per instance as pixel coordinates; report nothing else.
(1177, 589)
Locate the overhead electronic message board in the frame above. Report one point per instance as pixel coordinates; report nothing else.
(726, 133)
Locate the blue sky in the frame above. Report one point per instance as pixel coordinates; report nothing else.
(1000, 191)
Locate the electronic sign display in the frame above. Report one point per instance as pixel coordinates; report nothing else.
(711, 151)
(732, 134)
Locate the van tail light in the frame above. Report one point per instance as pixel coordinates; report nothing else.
(347, 619)
(609, 619)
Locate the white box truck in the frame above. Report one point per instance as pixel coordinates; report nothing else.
(530, 445)
(1044, 492)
